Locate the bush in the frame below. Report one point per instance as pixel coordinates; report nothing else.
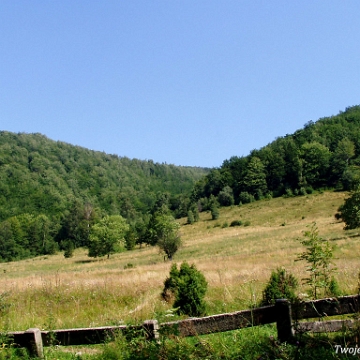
(215, 213)
(68, 246)
(236, 223)
(349, 212)
(245, 198)
(282, 285)
(226, 196)
(188, 286)
(190, 217)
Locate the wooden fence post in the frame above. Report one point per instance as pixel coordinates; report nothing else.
(283, 320)
(34, 342)
(152, 329)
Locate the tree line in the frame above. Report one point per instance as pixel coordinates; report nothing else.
(55, 195)
(324, 154)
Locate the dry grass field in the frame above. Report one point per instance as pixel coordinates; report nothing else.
(52, 292)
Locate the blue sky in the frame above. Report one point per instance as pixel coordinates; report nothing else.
(186, 82)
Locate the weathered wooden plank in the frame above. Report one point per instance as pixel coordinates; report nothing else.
(326, 307)
(221, 322)
(325, 326)
(80, 336)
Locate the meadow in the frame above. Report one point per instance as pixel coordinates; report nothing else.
(51, 292)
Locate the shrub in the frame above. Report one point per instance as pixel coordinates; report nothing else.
(188, 286)
(334, 288)
(349, 212)
(282, 285)
(288, 193)
(190, 217)
(318, 255)
(215, 213)
(226, 196)
(68, 246)
(236, 223)
(245, 198)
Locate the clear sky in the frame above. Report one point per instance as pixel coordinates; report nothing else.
(186, 82)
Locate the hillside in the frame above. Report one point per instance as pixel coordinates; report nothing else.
(52, 193)
(236, 261)
(324, 154)
(42, 181)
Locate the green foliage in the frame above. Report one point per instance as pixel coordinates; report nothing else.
(108, 236)
(215, 213)
(236, 223)
(325, 154)
(226, 196)
(349, 212)
(68, 247)
(245, 198)
(190, 217)
(195, 211)
(188, 286)
(254, 180)
(315, 164)
(130, 239)
(319, 254)
(75, 187)
(166, 231)
(282, 285)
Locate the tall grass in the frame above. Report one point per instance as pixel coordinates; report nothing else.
(54, 292)
(51, 292)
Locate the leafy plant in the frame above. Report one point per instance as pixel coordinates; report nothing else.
(349, 212)
(190, 217)
(215, 213)
(282, 285)
(236, 223)
(188, 287)
(319, 254)
(68, 246)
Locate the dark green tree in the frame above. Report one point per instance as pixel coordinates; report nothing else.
(226, 196)
(188, 286)
(166, 232)
(68, 247)
(340, 160)
(315, 162)
(349, 212)
(190, 217)
(215, 213)
(254, 180)
(282, 285)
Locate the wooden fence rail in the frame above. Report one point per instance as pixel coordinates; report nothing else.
(285, 316)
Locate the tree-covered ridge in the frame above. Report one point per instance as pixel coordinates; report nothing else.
(52, 194)
(324, 154)
(38, 175)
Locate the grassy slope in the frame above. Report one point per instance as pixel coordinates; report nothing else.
(54, 292)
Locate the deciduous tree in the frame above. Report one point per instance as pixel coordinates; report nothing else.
(108, 236)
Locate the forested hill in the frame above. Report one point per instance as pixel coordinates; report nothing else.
(324, 154)
(41, 176)
(53, 193)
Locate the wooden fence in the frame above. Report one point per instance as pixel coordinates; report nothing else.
(285, 316)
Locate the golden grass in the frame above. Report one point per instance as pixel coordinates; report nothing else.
(54, 292)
